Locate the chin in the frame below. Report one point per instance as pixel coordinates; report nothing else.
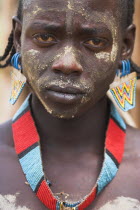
(66, 115)
(68, 111)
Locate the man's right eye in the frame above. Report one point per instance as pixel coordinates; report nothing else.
(44, 39)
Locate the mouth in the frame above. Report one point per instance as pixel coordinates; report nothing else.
(67, 95)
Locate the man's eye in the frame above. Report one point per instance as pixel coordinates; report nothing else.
(96, 43)
(44, 39)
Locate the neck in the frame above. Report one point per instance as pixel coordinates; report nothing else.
(87, 131)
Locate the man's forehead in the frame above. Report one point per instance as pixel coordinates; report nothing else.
(85, 11)
(88, 5)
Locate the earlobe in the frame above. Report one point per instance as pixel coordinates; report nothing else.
(128, 42)
(17, 28)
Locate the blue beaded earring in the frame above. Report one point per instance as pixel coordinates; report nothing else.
(123, 89)
(18, 79)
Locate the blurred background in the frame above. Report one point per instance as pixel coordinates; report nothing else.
(8, 8)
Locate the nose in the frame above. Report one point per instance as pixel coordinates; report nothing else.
(67, 64)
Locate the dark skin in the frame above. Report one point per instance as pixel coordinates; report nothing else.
(125, 184)
(69, 59)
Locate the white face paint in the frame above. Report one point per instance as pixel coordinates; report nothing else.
(33, 52)
(26, 4)
(103, 55)
(36, 10)
(70, 7)
(110, 20)
(122, 203)
(8, 202)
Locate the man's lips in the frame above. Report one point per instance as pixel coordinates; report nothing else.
(67, 95)
(66, 90)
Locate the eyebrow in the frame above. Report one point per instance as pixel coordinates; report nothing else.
(83, 29)
(45, 26)
(95, 29)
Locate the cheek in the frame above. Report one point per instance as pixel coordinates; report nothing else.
(100, 73)
(35, 64)
(30, 64)
(32, 67)
(97, 77)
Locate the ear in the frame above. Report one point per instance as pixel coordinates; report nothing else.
(128, 42)
(17, 29)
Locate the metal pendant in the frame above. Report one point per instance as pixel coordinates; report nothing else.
(62, 207)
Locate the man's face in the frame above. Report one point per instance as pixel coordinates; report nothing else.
(70, 50)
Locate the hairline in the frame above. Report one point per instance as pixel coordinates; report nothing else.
(123, 4)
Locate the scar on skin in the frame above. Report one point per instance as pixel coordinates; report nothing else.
(8, 202)
(122, 203)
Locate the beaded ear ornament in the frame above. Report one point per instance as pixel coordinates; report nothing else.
(18, 79)
(123, 90)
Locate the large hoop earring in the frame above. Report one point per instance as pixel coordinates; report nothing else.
(18, 79)
(123, 90)
(15, 61)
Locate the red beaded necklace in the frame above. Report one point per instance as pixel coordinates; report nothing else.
(27, 146)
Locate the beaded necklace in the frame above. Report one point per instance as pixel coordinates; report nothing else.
(27, 146)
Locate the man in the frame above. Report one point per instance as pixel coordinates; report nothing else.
(70, 51)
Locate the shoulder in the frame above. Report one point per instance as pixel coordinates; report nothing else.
(132, 146)
(6, 133)
(132, 157)
(133, 133)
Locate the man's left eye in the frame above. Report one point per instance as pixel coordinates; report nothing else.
(96, 42)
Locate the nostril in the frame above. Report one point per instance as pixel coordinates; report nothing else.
(57, 71)
(67, 71)
(76, 73)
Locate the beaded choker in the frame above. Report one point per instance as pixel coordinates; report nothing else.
(27, 146)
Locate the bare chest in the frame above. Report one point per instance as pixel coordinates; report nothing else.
(15, 193)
